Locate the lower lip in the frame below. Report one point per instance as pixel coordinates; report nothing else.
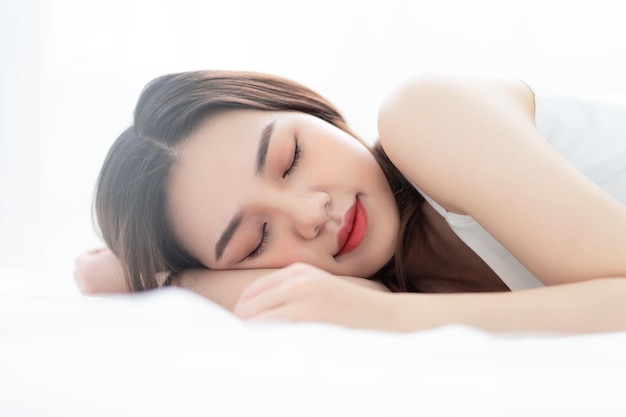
(359, 227)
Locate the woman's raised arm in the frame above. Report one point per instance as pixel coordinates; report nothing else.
(472, 145)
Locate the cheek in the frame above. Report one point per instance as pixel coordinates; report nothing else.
(347, 159)
(285, 251)
(283, 255)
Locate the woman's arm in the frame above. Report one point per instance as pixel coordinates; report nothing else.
(226, 286)
(306, 294)
(582, 307)
(99, 272)
(472, 145)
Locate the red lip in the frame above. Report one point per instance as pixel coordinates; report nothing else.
(353, 229)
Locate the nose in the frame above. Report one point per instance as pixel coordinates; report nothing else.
(307, 213)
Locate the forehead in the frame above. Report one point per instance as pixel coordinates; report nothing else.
(226, 129)
(216, 164)
(221, 143)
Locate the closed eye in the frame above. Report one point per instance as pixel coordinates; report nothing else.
(262, 243)
(295, 160)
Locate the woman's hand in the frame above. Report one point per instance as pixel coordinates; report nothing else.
(99, 271)
(302, 292)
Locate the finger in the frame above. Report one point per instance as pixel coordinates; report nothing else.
(264, 283)
(269, 299)
(283, 313)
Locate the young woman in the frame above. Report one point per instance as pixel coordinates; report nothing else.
(251, 190)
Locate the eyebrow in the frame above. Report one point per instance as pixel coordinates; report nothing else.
(264, 144)
(261, 158)
(227, 235)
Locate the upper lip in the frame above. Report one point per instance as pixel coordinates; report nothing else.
(346, 227)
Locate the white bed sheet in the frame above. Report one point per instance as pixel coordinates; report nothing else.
(173, 353)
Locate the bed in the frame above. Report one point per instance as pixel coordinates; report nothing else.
(172, 353)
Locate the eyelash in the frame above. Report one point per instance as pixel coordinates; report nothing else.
(259, 248)
(295, 161)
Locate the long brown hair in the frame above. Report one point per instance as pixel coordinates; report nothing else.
(130, 199)
(413, 237)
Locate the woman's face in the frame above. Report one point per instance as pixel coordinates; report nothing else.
(257, 189)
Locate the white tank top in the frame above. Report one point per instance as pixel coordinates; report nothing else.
(591, 134)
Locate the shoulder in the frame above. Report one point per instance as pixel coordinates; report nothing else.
(436, 127)
(436, 101)
(445, 89)
(473, 147)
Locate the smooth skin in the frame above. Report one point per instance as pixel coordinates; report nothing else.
(291, 207)
(439, 130)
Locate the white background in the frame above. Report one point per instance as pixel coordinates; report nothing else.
(71, 71)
